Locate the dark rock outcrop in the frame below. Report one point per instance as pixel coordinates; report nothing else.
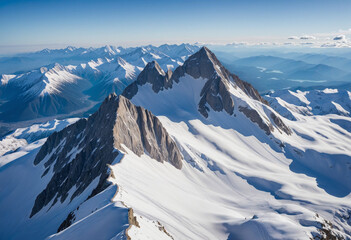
(215, 92)
(255, 117)
(81, 152)
(139, 130)
(280, 124)
(152, 74)
(67, 222)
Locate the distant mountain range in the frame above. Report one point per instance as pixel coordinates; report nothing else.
(271, 72)
(60, 90)
(72, 55)
(73, 81)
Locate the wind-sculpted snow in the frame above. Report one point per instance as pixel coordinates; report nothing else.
(240, 183)
(47, 92)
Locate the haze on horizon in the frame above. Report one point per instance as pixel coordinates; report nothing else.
(37, 24)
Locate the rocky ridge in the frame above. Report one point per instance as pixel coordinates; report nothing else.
(80, 153)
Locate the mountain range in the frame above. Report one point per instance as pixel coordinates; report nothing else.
(192, 153)
(72, 56)
(298, 70)
(72, 82)
(58, 90)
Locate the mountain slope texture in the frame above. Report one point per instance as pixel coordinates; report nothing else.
(189, 153)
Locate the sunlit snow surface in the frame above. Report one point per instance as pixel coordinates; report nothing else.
(314, 102)
(236, 182)
(18, 141)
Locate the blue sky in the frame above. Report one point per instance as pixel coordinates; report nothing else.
(52, 23)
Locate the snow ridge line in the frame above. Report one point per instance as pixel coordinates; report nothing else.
(131, 218)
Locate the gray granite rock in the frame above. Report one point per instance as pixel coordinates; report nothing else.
(255, 117)
(81, 152)
(280, 124)
(152, 74)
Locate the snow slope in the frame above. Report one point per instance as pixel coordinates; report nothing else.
(237, 181)
(314, 102)
(17, 142)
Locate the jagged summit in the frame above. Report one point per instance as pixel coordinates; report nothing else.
(152, 74)
(154, 65)
(203, 64)
(221, 90)
(81, 152)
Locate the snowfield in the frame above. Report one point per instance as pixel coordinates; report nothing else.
(236, 181)
(18, 140)
(239, 183)
(315, 102)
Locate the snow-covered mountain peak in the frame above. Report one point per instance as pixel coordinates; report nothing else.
(156, 66)
(70, 49)
(43, 70)
(176, 51)
(5, 78)
(52, 80)
(218, 90)
(94, 143)
(45, 50)
(202, 157)
(111, 50)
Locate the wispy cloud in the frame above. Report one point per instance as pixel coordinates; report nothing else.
(307, 37)
(293, 38)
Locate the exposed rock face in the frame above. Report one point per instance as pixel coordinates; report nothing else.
(132, 222)
(202, 64)
(67, 222)
(280, 124)
(80, 153)
(139, 130)
(215, 94)
(253, 115)
(152, 74)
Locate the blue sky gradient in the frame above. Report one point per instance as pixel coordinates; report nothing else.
(92, 23)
